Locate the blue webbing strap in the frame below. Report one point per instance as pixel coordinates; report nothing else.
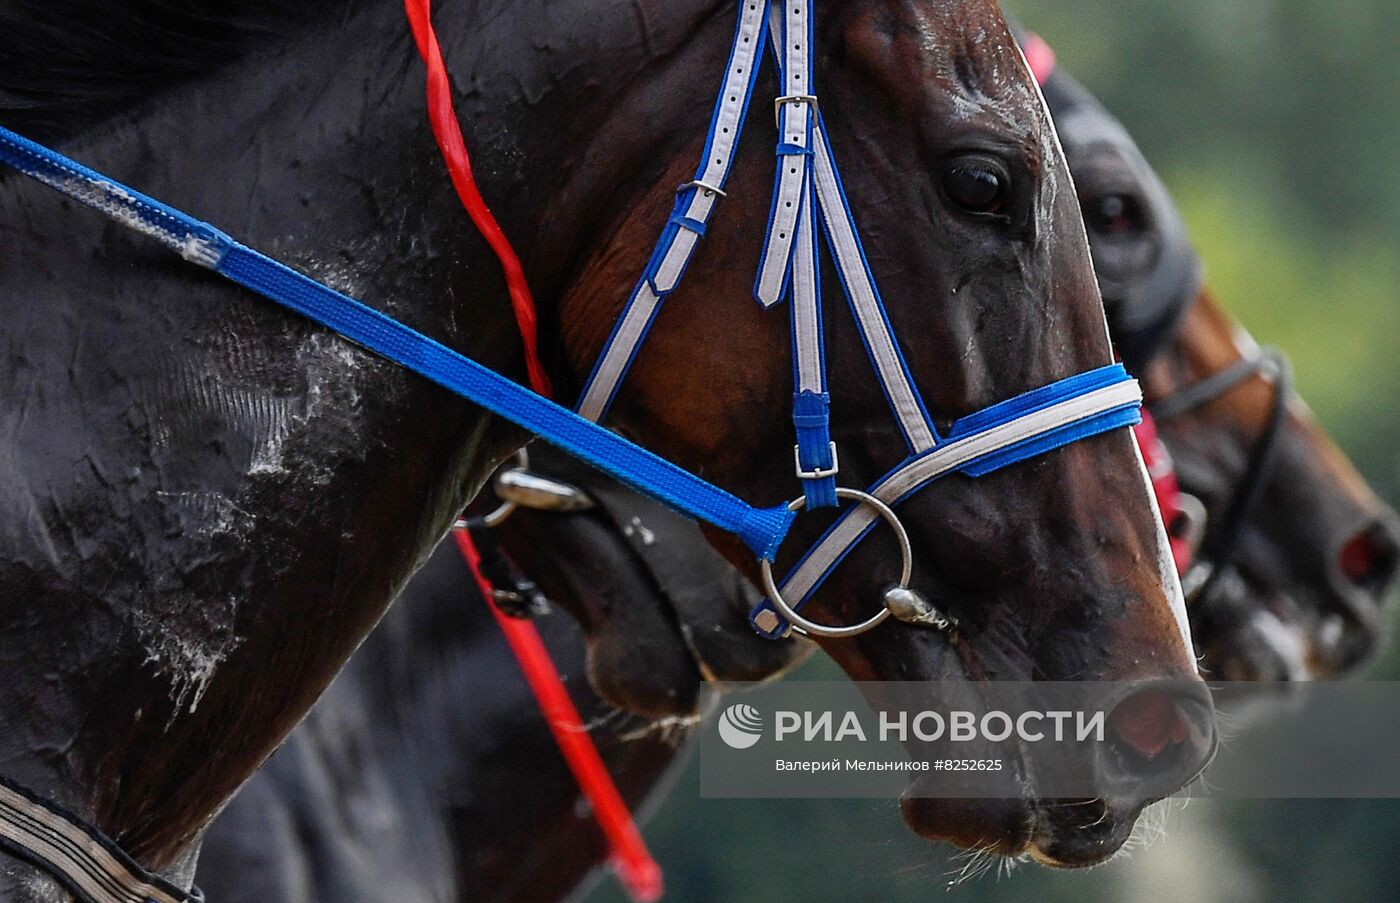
(695, 203)
(762, 529)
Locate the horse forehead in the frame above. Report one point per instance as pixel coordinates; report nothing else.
(959, 53)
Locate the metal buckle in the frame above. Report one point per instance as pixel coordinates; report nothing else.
(809, 99)
(817, 474)
(505, 509)
(702, 184)
(805, 626)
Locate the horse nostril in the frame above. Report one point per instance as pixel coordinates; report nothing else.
(1160, 738)
(1370, 560)
(1149, 722)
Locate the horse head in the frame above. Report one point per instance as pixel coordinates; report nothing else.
(1054, 569)
(1297, 553)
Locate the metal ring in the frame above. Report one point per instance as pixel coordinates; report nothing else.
(905, 550)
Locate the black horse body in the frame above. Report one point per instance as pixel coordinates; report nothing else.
(425, 772)
(167, 438)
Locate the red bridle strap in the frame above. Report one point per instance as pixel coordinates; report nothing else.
(1164, 486)
(640, 874)
(634, 864)
(447, 131)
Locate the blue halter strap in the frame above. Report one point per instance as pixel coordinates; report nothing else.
(809, 205)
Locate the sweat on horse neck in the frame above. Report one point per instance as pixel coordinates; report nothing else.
(208, 503)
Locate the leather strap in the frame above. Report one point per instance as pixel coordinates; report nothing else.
(78, 855)
(790, 30)
(695, 204)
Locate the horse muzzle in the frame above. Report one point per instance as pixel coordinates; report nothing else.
(1159, 738)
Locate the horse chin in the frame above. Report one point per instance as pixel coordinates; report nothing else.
(659, 681)
(1005, 827)
(1062, 834)
(1017, 820)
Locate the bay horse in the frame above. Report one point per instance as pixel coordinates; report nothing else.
(1302, 592)
(541, 846)
(1298, 553)
(210, 503)
(290, 836)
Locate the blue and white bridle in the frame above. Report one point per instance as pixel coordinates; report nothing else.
(808, 196)
(809, 204)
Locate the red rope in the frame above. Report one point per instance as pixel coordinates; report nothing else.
(634, 864)
(639, 872)
(448, 134)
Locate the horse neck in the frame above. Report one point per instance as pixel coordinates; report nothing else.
(320, 155)
(321, 152)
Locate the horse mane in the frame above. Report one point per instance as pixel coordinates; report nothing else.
(67, 64)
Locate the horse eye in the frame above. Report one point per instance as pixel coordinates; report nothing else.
(1115, 215)
(976, 186)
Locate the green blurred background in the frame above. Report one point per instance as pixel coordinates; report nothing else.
(1277, 125)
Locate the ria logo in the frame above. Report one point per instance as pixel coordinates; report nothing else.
(740, 726)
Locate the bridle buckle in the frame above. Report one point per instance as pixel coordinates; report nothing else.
(703, 186)
(819, 473)
(809, 99)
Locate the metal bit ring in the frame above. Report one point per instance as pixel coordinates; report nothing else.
(506, 509)
(822, 630)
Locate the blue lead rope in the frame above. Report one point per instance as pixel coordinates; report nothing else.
(762, 529)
